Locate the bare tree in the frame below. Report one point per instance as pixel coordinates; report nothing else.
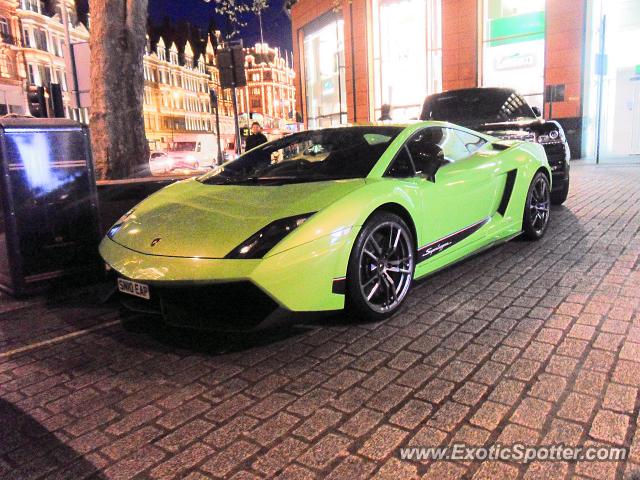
(118, 37)
(257, 8)
(235, 13)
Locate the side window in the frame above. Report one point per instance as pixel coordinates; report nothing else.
(423, 145)
(470, 141)
(401, 167)
(452, 145)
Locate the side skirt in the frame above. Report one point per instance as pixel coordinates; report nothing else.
(426, 252)
(468, 256)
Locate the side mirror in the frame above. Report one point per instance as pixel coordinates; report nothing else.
(536, 111)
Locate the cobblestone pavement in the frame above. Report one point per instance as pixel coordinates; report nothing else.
(532, 342)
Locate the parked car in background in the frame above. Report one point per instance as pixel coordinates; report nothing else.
(503, 113)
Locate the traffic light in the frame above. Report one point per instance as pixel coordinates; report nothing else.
(37, 101)
(230, 62)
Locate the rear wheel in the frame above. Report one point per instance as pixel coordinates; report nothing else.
(380, 268)
(537, 208)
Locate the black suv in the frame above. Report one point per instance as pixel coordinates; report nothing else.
(503, 113)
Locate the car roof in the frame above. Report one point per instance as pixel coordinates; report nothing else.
(501, 90)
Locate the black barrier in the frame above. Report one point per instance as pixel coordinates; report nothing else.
(49, 225)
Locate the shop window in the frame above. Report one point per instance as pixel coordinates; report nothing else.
(407, 60)
(513, 46)
(324, 72)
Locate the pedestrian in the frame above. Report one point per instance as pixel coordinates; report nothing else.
(256, 138)
(385, 113)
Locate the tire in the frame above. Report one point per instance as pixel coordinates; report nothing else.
(537, 209)
(381, 266)
(559, 196)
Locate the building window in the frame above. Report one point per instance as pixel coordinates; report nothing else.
(62, 80)
(32, 5)
(5, 65)
(41, 40)
(513, 46)
(407, 54)
(5, 30)
(325, 72)
(26, 38)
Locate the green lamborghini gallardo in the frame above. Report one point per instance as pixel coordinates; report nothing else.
(337, 218)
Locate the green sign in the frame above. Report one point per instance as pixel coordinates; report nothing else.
(637, 69)
(517, 28)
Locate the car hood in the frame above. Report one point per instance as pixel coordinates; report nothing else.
(192, 219)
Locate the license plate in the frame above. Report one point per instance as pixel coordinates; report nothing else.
(134, 288)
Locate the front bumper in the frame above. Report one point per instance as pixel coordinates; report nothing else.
(298, 280)
(558, 156)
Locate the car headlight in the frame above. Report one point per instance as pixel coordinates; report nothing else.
(258, 244)
(118, 225)
(551, 137)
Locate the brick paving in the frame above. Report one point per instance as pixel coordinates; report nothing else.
(529, 342)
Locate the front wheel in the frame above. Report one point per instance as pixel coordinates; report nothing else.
(537, 208)
(380, 268)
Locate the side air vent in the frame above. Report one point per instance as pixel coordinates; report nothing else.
(508, 189)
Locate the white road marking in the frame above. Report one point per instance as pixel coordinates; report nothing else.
(59, 339)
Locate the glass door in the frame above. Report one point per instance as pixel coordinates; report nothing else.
(612, 83)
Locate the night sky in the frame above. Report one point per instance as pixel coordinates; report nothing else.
(276, 24)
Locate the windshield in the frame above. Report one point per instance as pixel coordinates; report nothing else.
(467, 107)
(329, 154)
(183, 147)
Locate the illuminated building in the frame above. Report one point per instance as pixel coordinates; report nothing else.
(42, 56)
(176, 94)
(269, 96)
(11, 85)
(353, 56)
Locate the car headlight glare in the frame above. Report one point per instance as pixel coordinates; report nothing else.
(258, 244)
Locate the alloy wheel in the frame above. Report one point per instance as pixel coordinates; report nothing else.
(539, 204)
(386, 266)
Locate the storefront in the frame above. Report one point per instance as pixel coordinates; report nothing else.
(407, 54)
(612, 81)
(326, 102)
(513, 47)
(354, 56)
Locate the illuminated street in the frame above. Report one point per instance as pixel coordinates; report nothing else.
(531, 342)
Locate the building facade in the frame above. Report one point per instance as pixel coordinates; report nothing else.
(269, 96)
(44, 48)
(11, 79)
(176, 94)
(353, 56)
(34, 49)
